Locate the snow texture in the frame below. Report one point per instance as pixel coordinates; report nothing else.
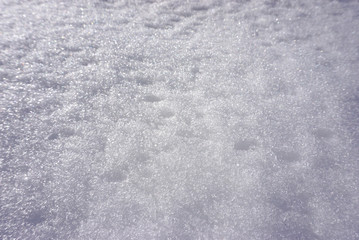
(151, 119)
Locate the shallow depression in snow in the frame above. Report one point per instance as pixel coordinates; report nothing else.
(210, 119)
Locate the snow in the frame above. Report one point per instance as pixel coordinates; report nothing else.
(170, 119)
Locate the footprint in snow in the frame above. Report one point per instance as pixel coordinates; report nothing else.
(151, 99)
(286, 156)
(245, 144)
(323, 133)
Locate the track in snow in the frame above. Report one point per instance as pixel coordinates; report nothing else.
(169, 120)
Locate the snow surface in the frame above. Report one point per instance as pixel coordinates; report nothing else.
(179, 119)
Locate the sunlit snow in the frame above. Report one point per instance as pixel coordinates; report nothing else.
(151, 119)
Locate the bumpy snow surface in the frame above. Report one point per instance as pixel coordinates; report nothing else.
(179, 119)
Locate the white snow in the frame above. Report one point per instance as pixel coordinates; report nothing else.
(211, 119)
